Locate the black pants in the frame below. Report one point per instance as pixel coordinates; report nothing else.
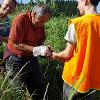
(31, 75)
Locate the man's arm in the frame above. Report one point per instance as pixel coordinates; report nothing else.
(23, 47)
(36, 51)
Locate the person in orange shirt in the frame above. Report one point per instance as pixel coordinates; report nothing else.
(82, 53)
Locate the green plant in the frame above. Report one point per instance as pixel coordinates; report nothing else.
(55, 31)
(6, 91)
(2, 47)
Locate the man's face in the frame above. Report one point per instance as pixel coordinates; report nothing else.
(37, 22)
(81, 6)
(6, 8)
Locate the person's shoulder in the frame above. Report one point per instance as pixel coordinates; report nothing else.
(77, 19)
(85, 19)
(20, 17)
(74, 20)
(88, 18)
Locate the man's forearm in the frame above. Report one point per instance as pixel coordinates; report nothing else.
(24, 48)
(36, 51)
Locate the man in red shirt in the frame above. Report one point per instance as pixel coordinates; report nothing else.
(27, 29)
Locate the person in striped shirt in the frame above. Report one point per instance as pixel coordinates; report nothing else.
(7, 7)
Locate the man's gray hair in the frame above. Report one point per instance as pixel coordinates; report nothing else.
(41, 10)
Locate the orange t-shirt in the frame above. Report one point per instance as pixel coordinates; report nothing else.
(23, 31)
(83, 70)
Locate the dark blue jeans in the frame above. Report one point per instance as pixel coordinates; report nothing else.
(31, 75)
(77, 96)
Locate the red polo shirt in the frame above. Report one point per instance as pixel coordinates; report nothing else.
(23, 31)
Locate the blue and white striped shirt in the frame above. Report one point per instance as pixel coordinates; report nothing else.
(4, 27)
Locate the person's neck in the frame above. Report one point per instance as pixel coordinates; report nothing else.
(90, 10)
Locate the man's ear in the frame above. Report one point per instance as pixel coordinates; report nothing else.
(86, 2)
(33, 14)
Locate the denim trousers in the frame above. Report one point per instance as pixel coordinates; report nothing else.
(30, 75)
(77, 95)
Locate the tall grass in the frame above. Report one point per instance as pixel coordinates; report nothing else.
(6, 91)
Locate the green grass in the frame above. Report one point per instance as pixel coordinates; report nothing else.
(55, 31)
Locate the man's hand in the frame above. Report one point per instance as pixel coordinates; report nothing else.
(23, 47)
(49, 51)
(53, 56)
(42, 50)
